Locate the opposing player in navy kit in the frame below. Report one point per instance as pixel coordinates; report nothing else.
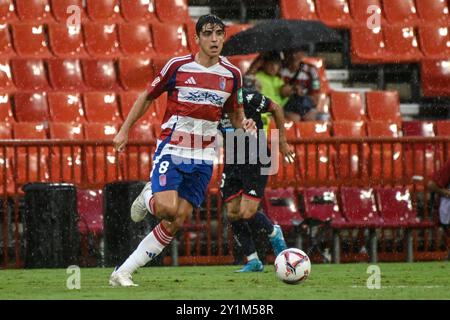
(243, 184)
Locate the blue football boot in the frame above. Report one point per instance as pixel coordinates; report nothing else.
(277, 241)
(254, 265)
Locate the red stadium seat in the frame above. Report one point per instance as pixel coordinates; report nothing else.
(136, 39)
(7, 11)
(298, 9)
(232, 29)
(60, 7)
(418, 128)
(243, 62)
(5, 160)
(101, 107)
(127, 100)
(30, 74)
(443, 128)
(99, 74)
(31, 107)
(435, 41)
(170, 39)
(104, 10)
(367, 45)
(280, 205)
(401, 12)
(142, 132)
(102, 163)
(66, 107)
(402, 44)
(65, 74)
(359, 207)
(6, 79)
(433, 11)
(90, 210)
(6, 47)
(135, 73)
(170, 11)
(383, 105)
(34, 10)
(190, 29)
(66, 42)
(322, 204)
(6, 114)
(139, 11)
(30, 40)
(347, 106)
(383, 128)
(66, 161)
(101, 40)
(435, 77)
(29, 131)
(359, 8)
(334, 13)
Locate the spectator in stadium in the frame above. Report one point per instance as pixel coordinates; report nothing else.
(440, 184)
(178, 183)
(303, 87)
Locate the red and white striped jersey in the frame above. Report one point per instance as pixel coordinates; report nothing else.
(197, 96)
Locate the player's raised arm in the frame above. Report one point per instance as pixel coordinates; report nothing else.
(285, 149)
(139, 108)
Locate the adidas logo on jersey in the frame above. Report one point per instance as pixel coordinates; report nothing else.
(252, 193)
(191, 80)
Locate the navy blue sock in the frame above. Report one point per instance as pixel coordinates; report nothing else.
(243, 236)
(260, 221)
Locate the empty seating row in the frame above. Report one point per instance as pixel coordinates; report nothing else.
(96, 10)
(347, 13)
(105, 107)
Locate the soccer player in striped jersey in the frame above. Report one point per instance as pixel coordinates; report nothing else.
(200, 88)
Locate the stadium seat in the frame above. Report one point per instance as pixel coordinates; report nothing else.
(334, 13)
(30, 40)
(435, 77)
(6, 79)
(90, 211)
(281, 207)
(442, 128)
(190, 29)
(29, 74)
(127, 100)
(66, 42)
(243, 62)
(170, 39)
(104, 10)
(170, 11)
(367, 45)
(6, 114)
(233, 28)
(135, 73)
(99, 74)
(59, 9)
(65, 74)
(66, 107)
(322, 204)
(396, 209)
(435, 11)
(418, 128)
(298, 9)
(383, 128)
(136, 39)
(7, 11)
(5, 160)
(383, 105)
(6, 47)
(101, 107)
(359, 8)
(66, 161)
(359, 207)
(101, 162)
(402, 44)
(31, 107)
(435, 41)
(34, 10)
(347, 106)
(142, 132)
(101, 40)
(400, 12)
(139, 11)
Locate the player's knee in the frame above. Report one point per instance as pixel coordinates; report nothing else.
(165, 211)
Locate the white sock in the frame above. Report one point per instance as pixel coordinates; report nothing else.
(274, 232)
(150, 247)
(254, 255)
(148, 195)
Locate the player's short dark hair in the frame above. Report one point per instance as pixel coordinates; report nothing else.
(208, 19)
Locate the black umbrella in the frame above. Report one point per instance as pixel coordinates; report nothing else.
(279, 35)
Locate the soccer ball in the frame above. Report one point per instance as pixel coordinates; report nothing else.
(292, 266)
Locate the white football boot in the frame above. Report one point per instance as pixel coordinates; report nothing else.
(138, 208)
(121, 279)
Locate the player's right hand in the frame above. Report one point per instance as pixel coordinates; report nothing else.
(120, 141)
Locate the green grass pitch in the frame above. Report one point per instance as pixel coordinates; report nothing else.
(430, 280)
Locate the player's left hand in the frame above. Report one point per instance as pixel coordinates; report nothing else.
(287, 151)
(249, 125)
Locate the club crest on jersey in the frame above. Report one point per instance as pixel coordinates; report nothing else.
(222, 83)
(162, 180)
